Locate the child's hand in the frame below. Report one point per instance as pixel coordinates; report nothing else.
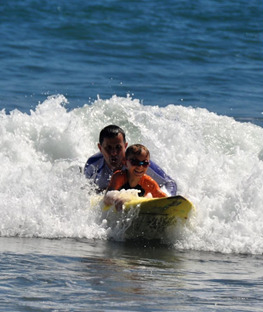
(149, 195)
(119, 204)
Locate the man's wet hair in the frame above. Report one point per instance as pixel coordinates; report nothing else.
(111, 131)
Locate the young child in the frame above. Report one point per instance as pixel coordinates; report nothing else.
(137, 159)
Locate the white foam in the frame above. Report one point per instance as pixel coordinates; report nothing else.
(216, 161)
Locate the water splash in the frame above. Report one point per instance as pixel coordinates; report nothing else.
(216, 161)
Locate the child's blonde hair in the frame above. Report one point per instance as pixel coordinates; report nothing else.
(136, 149)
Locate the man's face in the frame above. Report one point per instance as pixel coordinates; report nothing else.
(113, 151)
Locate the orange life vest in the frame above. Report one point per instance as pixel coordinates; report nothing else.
(146, 185)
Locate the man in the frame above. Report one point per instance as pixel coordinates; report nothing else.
(112, 145)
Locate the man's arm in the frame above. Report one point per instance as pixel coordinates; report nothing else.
(96, 170)
(162, 178)
(93, 166)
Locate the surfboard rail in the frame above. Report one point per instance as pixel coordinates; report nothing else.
(174, 206)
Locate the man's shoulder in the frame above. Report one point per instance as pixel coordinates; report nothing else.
(98, 157)
(94, 165)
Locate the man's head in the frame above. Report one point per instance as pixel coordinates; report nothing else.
(111, 131)
(112, 144)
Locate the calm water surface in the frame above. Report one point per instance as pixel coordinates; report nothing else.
(90, 275)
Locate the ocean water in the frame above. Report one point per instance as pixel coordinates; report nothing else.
(182, 77)
(205, 53)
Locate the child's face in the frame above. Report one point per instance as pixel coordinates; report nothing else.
(137, 165)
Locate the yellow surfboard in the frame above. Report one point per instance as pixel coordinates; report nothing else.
(151, 217)
(171, 207)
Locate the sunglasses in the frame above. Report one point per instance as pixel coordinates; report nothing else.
(138, 163)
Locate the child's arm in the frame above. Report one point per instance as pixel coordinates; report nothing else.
(113, 198)
(159, 193)
(154, 188)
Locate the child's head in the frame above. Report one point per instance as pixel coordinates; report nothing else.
(137, 159)
(137, 150)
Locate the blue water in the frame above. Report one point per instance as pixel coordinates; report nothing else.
(193, 53)
(182, 77)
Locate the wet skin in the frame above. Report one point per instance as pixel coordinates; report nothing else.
(136, 172)
(113, 151)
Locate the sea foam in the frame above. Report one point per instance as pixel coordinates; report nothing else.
(215, 160)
